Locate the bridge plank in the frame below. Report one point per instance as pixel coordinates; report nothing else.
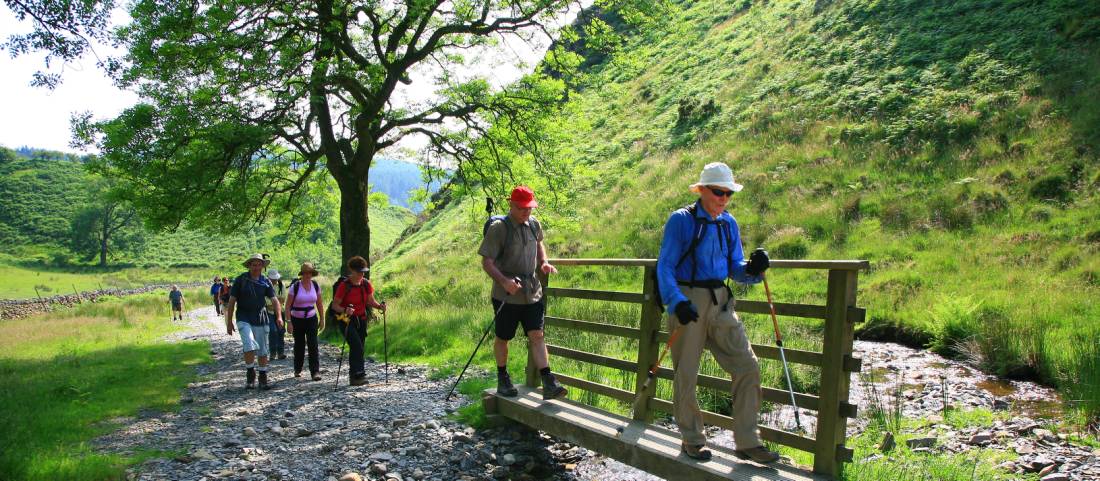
(650, 448)
(844, 265)
(596, 327)
(613, 296)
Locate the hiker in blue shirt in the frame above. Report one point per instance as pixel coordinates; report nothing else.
(700, 250)
(249, 295)
(215, 291)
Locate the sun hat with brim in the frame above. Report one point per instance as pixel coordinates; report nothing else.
(524, 197)
(257, 257)
(308, 267)
(717, 174)
(273, 274)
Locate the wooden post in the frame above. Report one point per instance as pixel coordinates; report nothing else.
(649, 325)
(837, 345)
(532, 371)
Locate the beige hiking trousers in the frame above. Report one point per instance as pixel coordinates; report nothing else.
(721, 332)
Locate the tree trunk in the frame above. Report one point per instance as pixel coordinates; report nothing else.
(354, 218)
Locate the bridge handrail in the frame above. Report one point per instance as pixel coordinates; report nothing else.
(836, 361)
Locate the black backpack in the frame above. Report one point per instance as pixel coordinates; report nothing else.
(294, 290)
(700, 231)
(329, 313)
(533, 224)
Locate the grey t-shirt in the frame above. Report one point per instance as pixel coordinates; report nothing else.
(515, 255)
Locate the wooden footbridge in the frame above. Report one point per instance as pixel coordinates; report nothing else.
(637, 442)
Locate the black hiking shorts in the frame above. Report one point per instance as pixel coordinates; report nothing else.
(530, 315)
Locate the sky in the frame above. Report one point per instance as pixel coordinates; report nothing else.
(38, 117)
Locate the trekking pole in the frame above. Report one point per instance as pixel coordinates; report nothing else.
(472, 354)
(653, 369)
(385, 347)
(782, 354)
(340, 365)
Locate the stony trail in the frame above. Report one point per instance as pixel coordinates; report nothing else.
(302, 429)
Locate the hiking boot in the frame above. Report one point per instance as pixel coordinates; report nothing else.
(360, 380)
(758, 454)
(281, 356)
(315, 376)
(551, 389)
(505, 387)
(250, 378)
(297, 373)
(696, 451)
(263, 381)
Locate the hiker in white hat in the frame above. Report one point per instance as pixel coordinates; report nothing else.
(700, 250)
(248, 296)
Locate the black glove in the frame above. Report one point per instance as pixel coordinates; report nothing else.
(686, 312)
(758, 262)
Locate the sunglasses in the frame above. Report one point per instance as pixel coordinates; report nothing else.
(720, 192)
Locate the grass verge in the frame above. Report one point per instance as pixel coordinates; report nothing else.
(71, 376)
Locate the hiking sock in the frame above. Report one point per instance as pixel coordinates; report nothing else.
(502, 371)
(250, 376)
(545, 371)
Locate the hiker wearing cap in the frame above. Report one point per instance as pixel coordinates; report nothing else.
(352, 297)
(276, 334)
(215, 290)
(248, 297)
(512, 253)
(701, 249)
(306, 313)
(175, 296)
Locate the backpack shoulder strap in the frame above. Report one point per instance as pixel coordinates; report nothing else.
(697, 233)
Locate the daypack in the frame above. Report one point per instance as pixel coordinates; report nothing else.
(532, 223)
(329, 313)
(294, 290)
(700, 231)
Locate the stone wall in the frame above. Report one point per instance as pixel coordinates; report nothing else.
(19, 308)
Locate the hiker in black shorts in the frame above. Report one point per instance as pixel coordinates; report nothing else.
(175, 296)
(512, 253)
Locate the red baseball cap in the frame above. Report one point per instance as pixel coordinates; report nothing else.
(524, 197)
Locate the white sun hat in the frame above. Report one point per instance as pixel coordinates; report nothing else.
(273, 274)
(717, 174)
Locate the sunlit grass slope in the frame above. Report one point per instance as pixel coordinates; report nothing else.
(954, 145)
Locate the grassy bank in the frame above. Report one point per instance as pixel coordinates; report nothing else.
(70, 376)
(949, 145)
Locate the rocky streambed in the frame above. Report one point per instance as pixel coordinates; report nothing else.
(401, 429)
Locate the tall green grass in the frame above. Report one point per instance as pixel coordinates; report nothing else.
(72, 375)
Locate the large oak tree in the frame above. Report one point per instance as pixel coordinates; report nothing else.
(244, 101)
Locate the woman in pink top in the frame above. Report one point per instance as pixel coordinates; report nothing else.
(306, 314)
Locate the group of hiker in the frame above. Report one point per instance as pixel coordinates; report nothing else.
(700, 250)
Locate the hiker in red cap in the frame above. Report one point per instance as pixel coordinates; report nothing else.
(512, 253)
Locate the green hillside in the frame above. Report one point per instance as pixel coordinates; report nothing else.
(953, 144)
(44, 191)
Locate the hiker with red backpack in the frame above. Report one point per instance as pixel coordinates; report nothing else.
(306, 313)
(700, 250)
(248, 297)
(350, 301)
(512, 253)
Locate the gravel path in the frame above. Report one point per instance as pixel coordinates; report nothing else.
(305, 430)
